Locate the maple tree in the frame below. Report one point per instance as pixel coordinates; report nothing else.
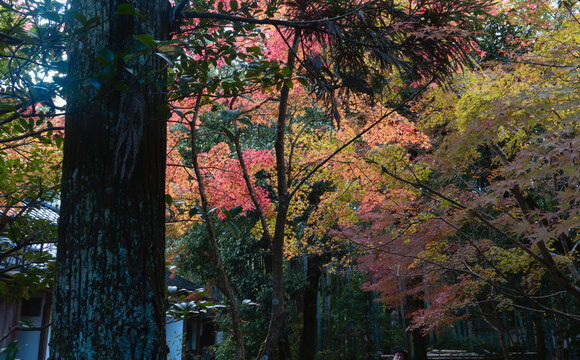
(30, 157)
(30, 150)
(402, 26)
(29, 178)
(312, 142)
(489, 215)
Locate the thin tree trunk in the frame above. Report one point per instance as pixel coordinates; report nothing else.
(309, 336)
(560, 352)
(541, 352)
(109, 291)
(560, 333)
(279, 313)
(491, 317)
(504, 350)
(216, 256)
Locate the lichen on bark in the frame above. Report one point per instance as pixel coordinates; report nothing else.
(109, 289)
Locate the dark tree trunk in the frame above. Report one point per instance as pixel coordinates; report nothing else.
(279, 312)
(109, 290)
(309, 336)
(559, 335)
(504, 347)
(223, 277)
(417, 341)
(417, 345)
(491, 316)
(541, 352)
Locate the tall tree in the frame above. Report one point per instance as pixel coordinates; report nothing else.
(109, 291)
(349, 52)
(495, 219)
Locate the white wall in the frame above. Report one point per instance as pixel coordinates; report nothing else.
(174, 336)
(29, 341)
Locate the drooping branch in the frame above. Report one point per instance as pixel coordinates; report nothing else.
(544, 258)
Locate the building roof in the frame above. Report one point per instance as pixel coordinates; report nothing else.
(172, 279)
(36, 210)
(44, 211)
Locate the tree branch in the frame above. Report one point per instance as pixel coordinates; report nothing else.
(356, 137)
(31, 134)
(304, 24)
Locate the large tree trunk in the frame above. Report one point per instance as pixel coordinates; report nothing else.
(109, 290)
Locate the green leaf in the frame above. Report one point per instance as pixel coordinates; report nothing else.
(91, 22)
(179, 112)
(109, 71)
(236, 211)
(166, 58)
(228, 133)
(234, 5)
(105, 57)
(193, 211)
(5, 108)
(253, 49)
(285, 71)
(58, 140)
(78, 16)
(60, 66)
(146, 40)
(229, 115)
(245, 121)
(33, 35)
(234, 229)
(52, 15)
(168, 199)
(127, 9)
(96, 83)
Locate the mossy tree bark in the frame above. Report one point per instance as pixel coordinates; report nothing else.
(110, 282)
